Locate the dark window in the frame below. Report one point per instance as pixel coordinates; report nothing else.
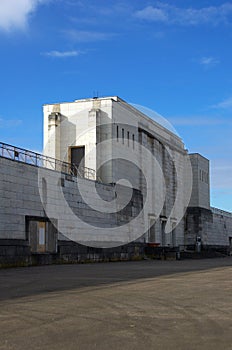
(128, 138)
(117, 133)
(123, 136)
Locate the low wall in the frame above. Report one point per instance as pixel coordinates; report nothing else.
(213, 226)
(14, 252)
(17, 253)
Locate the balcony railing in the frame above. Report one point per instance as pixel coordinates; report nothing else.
(221, 212)
(40, 160)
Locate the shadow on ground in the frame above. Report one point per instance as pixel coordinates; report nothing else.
(20, 282)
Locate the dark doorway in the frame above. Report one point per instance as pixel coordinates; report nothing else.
(163, 235)
(151, 234)
(77, 155)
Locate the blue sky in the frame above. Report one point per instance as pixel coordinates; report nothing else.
(174, 57)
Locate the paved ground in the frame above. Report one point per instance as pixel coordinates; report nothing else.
(134, 305)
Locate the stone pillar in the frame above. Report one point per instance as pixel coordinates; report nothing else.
(53, 145)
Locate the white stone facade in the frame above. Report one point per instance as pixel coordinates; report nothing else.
(134, 147)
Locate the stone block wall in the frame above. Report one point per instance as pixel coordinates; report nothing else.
(21, 201)
(214, 226)
(201, 187)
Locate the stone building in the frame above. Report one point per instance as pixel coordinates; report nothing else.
(111, 180)
(118, 141)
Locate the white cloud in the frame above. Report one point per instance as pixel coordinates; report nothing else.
(208, 61)
(87, 36)
(63, 54)
(9, 123)
(225, 104)
(166, 13)
(152, 14)
(15, 13)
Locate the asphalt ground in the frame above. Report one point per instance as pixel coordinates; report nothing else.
(130, 305)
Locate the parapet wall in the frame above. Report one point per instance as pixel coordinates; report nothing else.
(221, 228)
(213, 226)
(21, 201)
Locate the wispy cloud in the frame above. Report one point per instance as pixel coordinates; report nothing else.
(63, 54)
(169, 14)
(151, 13)
(108, 9)
(225, 104)
(87, 36)
(14, 14)
(208, 61)
(9, 123)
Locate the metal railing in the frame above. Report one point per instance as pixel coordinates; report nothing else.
(40, 160)
(221, 212)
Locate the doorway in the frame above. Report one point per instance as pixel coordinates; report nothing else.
(151, 232)
(163, 235)
(41, 234)
(77, 155)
